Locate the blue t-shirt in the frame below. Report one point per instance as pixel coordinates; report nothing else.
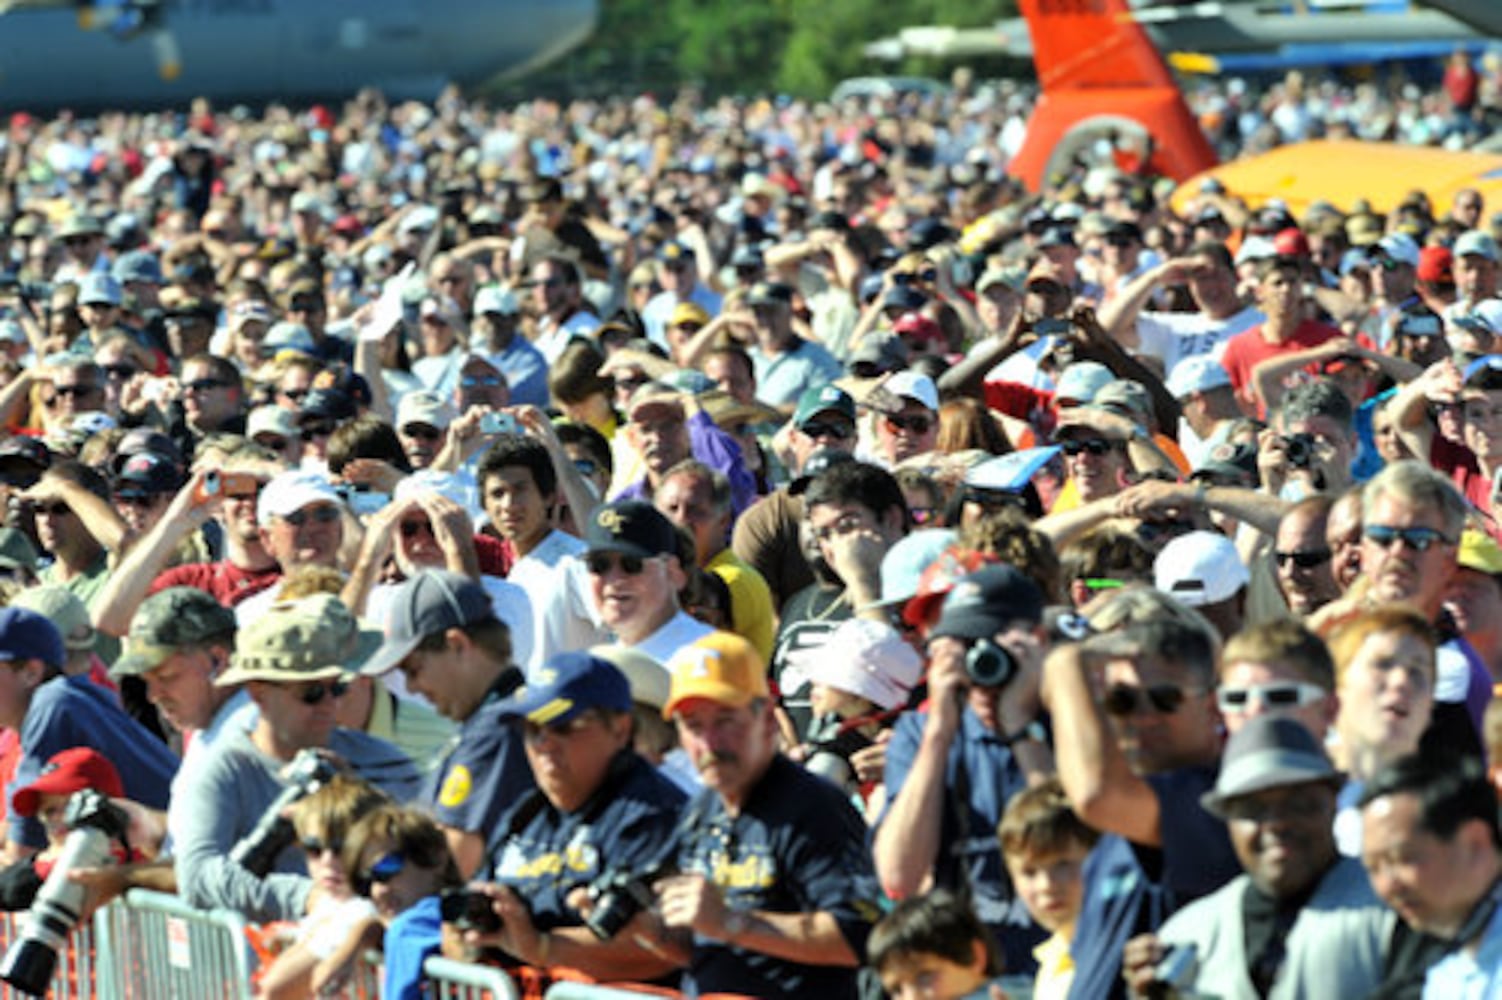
(797, 846)
(993, 777)
(413, 936)
(526, 372)
(625, 826)
(68, 712)
(1131, 889)
(486, 770)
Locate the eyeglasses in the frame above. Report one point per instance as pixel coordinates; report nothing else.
(1303, 560)
(411, 529)
(917, 423)
(480, 381)
(1095, 446)
(840, 432)
(383, 870)
(1418, 539)
(58, 509)
(318, 515)
(318, 430)
(315, 692)
(120, 373)
(1289, 694)
(316, 846)
(600, 563)
(1128, 699)
(422, 431)
(206, 384)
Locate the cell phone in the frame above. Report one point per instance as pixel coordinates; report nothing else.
(468, 910)
(1175, 970)
(230, 484)
(498, 423)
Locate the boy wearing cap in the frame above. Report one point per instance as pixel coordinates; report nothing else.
(294, 661)
(599, 810)
(775, 879)
(1301, 920)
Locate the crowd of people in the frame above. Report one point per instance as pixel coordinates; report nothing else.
(752, 548)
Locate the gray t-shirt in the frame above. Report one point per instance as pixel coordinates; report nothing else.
(230, 789)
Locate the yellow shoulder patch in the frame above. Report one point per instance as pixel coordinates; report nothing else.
(456, 787)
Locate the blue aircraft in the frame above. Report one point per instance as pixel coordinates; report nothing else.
(140, 53)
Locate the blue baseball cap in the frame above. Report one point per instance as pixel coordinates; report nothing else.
(565, 686)
(26, 635)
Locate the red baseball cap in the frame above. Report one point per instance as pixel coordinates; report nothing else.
(69, 771)
(939, 579)
(918, 326)
(1435, 265)
(1291, 243)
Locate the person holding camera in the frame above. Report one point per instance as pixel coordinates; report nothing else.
(952, 769)
(599, 820)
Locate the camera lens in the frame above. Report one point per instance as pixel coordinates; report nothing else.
(989, 665)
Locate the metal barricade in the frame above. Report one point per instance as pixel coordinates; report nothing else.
(450, 980)
(75, 975)
(589, 991)
(365, 981)
(153, 945)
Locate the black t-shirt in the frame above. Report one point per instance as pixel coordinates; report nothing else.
(807, 619)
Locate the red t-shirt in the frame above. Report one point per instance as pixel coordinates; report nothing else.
(1459, 463)
(225, 582)
(1248, 349)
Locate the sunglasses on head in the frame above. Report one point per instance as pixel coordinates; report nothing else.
(383, 870)
(1303, 560)
(316, 691)
(600, 563)
(1095, 446)
(318, 515)
(917, 423)
(1128, 699)
(1289, 694)
(1418, 539)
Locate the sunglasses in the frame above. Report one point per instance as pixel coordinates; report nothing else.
(480, 381)
(600, 563)
(315, 846)
(1288, 694)
(314, 431)
(840, 432)
(52, 510)
(1303, 560)
(296, 395)
(1127, 699)
(411, 529)
(206, 384)
(120, 373)
(74, 390)
(318, 515)
(385, 868)
(916, 424)
(274, 443)
(1418, 539)
(422, 431)
(315, 692)
(1095, 446)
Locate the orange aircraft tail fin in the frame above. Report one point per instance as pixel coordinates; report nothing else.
(1103, 78)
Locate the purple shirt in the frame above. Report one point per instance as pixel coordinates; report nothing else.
(715, 449)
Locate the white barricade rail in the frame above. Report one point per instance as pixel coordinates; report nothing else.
(365, 981)
(450, 980)
(153, 946)
(74, 978)
(588, 991)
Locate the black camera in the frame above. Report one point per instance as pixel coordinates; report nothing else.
(257, 851)
(989, 665)
(618, 896)
(93, 822)
(1298, 449)
(830, 743)
(469, 910)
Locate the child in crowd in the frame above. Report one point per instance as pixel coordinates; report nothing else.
(1045, 845)
(322, 821)
(935, 947)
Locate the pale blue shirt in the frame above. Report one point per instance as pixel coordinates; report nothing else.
(1463, 975)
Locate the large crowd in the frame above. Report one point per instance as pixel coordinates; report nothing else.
(755, 548)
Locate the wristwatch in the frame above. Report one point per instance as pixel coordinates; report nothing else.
(1032, 732)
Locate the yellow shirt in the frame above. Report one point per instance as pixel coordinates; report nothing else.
(1055, 969)
(751, 611)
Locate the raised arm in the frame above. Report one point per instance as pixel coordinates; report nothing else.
(129, 584)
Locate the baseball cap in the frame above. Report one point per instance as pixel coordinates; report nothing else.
(431, 602)
(1082, 380)
(631, 527)
(649, 679)
(674, 250)
(1012, 277)
(79, 224)
(142, 441)
(66, 772)
(1123, 397)
(1255, 248)
(16, 550)
(99, 288)
(291, 491)
(26, 635)
(1200, 373)
(1235, 462)
(251, 311)
(420, 219)
(63, 608)
(652, 394)
(1354, 260)
(1268, 751)
(817, 463)
(1475, 242)
(721, 667)
(912, 385)
(169, 621)
(289, 336)
(1399, 247)
(823, 399)
(494, 299)
(903, 565)
(311, 639)
(987, 601)
(688, 312)
(862, 657)
(138, 266)
(423, 407)
(881, 352)
(271, 419)
(566, 685)
(1480, 552)
(326, 404)
(1436, 265)
(147, 474)
(905, 298)
(1200, 568)
(919, 327)
(769, 293)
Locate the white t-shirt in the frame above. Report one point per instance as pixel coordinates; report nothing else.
(1172, 337)
(564, 616)
(679, 631)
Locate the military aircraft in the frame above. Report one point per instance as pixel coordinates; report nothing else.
(138, 53)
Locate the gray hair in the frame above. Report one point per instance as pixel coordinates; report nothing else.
(1417, 484)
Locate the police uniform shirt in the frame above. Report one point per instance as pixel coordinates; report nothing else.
(797, 846)
(486, 771)
(626, 826)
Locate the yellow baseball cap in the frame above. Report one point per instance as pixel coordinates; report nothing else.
(1479, 551)
(722, 667)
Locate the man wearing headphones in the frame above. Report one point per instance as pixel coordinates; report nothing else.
(951, 770)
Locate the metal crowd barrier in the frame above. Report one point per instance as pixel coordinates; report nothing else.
(76, 968)
(154, 946)
(589, 991)
(450, 980)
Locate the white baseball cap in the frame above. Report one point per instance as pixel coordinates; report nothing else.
(495, 299)
(1200, 373)
(289, 492)
(1401, 248)
(422, 407)
(1200, 568)
(271, 420)
(863, 657)
(1082, 380)
(912, 385)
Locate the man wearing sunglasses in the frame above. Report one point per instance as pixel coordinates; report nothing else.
(301, 522)
(635, 578)
(1303, 558)
(909, 426)
(295, 662)
(76, 524)
(422, 424)
(986, 732)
